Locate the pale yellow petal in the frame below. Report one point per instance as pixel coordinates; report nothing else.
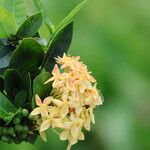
(38, 100)
(64, 135)
(36, 111)
(64, 110)
(87, 125)
(57, 123)
(57, 102)
(43, 136)
(73, 140)
(74, 131)
(47, 100)
(92, 116)
(81, 136)
(44, 113)
(45, 125)
(55, 70)
(54, 111)
(67, 124)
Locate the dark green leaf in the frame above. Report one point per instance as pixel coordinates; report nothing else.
(31, 25)
(5, 54)
(7, 109)
(5, 50)
(59, 45)
(12, 83)
(28, 56)
(2, 71)
(3, 42)
(39, 87)
(28, 87)
(20, 98)
(1, 84)
(5, 61)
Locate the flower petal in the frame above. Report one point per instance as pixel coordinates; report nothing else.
(64, 110)
(81, 136)
(36, 111)
(74, 131)
(47, 100)
(64, 135)
(45, 125)
(38, 100)
(43, 136)
(57, 102)
(55, 70)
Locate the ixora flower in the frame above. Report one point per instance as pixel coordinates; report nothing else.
(70, 104)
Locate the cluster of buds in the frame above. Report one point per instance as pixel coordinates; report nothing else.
(20, 129)
(71, 102)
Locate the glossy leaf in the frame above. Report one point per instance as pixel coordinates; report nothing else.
(28, 56)
(20, 99)
(3, 42)
(18, 8)
(28, 87)
(7, 109)
(39, 87)
(59, 45)
(12, 83)
(5, 50)
(1, 84)
(8, 24)
(69, 18)
(31, 25)
(5, 54)
(4, 61)
(48, 23)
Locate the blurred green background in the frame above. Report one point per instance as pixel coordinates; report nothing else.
(113, 38)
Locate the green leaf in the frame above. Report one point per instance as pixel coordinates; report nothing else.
(71, 15)
(5, 50)
(48, 23)
(8, 24)
(2, 71)
(31, 25)
(28, 56)
(3, 42)
(59, 45)
(5, 54)
(12, 83)
(18, 8)
(28, 87)
(4, 61)
(20, 99)
(7, 109)
(1, 84)
(39, 87)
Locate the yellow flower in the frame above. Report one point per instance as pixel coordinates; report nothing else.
(62, 106)
(72, 130)
(71, 102)
(42, 106)
(55, 78)
(88, 117)
(66, 61)
(92, 97)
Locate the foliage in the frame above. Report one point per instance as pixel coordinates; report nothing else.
(25, 61)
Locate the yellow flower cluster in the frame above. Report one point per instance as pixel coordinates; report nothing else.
(71, 103)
